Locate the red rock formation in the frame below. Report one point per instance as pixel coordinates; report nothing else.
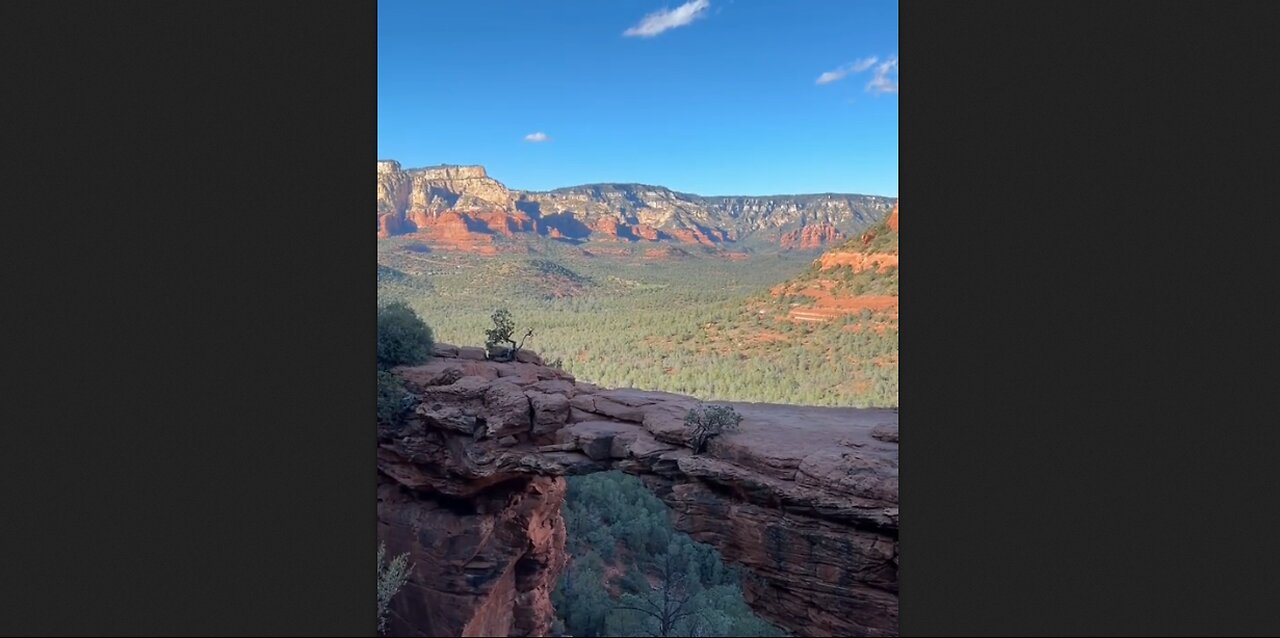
(858, 261)
(646, 232)
(831, 297)
(505, 224)
(483, 567)
(457, 231)
(698, 235)
(814, 236)
(388, 225)
(609, 228)
(805, 498)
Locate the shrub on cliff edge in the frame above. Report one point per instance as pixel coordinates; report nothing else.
(403, 338)
(710, 421)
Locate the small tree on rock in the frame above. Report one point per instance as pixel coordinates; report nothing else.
(501, 332)
(709, 422)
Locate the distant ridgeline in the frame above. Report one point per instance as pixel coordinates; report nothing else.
(462, 207)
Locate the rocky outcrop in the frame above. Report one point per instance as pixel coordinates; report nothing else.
(827, 286)
(454, 230)
(631, 212)
(471, 485)
(808, 237)
(858, 261)
(646, 232)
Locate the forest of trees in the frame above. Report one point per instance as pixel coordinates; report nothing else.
(682, 325)
(633, 574)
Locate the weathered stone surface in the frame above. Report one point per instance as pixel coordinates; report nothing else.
(806, 498)
(886, 432)
(486, 569)
(596, 438)
(471, 352)
(550, 411)
(506, 409)
(526, 356)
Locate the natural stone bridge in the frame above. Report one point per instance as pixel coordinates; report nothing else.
(805, 498)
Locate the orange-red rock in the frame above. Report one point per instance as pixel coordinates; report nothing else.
(832, 299)
(858, 261)
(388, 225)
(697, 235)
(647, 232)
(505, 224)
(608, 228)
(457, 231)
(814, 236)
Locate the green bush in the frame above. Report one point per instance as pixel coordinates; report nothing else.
(393, 399)
(710, 421)
(391, 578)
(403, 338)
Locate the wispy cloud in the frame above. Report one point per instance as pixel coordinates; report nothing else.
(885, 79)
(660, 21)
(842, 72)
(537, 137)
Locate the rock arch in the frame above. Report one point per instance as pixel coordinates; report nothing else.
(471, 486)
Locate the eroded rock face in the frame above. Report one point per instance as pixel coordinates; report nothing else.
(815, 236)
(471, 486)
(483, 566)
(414, 197)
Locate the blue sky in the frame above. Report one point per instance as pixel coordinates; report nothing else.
(713, 97)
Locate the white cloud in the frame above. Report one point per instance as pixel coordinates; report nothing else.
(852, 67)
(660, 21)
(537, 137)
(881, 81)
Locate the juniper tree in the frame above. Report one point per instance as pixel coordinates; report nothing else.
(709, 422)
(391, 577)
(501, 332)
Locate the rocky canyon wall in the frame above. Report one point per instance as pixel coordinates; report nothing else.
(414, 200)
(471, 485)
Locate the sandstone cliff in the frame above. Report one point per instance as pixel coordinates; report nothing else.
(471, 486)
(860, 274)
(815, 236)
(410, 200)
